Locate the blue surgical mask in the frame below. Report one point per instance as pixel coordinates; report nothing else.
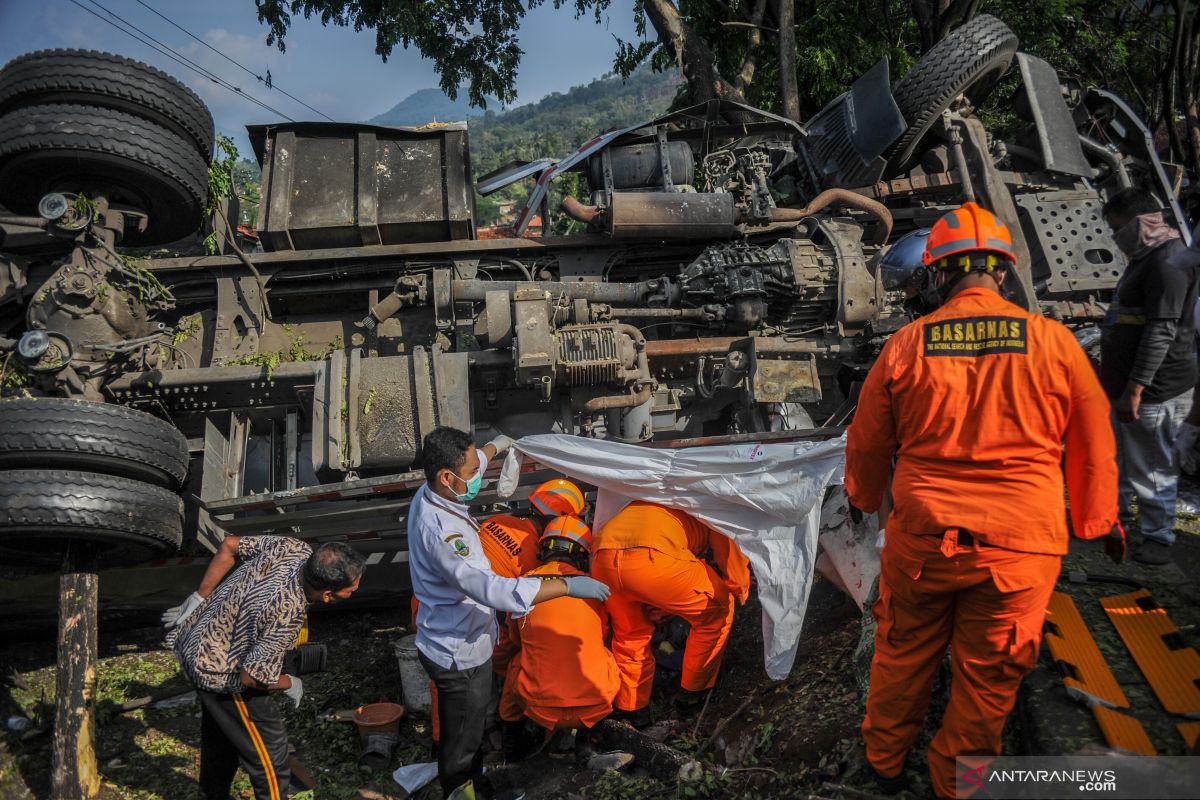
(473, 487)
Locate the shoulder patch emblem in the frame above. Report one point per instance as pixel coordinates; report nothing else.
(976, 336)
(458, 545)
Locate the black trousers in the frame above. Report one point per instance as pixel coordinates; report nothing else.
(242, 729)
(463, 697)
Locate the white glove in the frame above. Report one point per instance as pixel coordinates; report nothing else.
(176, 615)
(586, 588)
(296, 691)
(501, 443)
(1185, 447)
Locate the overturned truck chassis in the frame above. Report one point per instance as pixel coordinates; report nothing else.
(730, 282)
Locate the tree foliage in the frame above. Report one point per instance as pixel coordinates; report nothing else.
(471, 42)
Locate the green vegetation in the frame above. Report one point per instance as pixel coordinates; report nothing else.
(220, 182)
(556, 126)
(186, 329)
(13, 376)
(296, 352)
(246, 179)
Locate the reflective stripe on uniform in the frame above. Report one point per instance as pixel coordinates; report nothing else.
(259, 746)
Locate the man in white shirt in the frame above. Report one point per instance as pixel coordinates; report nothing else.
(459, 595)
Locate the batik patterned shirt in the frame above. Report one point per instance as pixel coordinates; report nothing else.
(250, 621)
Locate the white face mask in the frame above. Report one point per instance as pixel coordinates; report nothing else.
(473, 486)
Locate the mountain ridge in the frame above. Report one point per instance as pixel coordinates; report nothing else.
(424, 106)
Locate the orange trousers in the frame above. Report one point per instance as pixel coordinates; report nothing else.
(987, 605)
(642, 579)
(513, 706)
(435, 720)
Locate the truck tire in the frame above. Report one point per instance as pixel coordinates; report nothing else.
(54, 433)
(970, 60)
(102, 152)
(123, 521)
(88, 77)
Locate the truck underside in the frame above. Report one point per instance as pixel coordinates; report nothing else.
(737, 275)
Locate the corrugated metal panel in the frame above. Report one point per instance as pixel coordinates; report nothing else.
(1123, 732)
(1072, 645)
(1171, 668)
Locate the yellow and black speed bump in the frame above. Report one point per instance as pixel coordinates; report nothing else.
(1171, 667)
(1085, 672)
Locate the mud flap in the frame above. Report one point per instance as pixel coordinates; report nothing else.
(1042, 100)
(1123, 732)
(1085, 672)
(1171, 667)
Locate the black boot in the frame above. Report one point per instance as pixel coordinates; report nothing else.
(638, 719)
(514, 740)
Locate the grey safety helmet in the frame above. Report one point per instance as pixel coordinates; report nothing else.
(903, 260)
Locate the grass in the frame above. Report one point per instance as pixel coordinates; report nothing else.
(153, 753)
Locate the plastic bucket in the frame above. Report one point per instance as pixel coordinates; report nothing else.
(414, 681)
(378, 718)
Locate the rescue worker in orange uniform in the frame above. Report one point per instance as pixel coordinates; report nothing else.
(511, 546)
(984, 407)
(649, 557)
(563, 675)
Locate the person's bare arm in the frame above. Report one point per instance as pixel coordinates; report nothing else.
(220, 566)
(550, 589)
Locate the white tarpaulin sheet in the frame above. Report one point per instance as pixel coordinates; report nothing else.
(767, 497)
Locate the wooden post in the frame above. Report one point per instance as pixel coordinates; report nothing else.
(76, 776)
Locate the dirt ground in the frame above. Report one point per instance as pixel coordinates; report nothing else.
(786, 738)
(758, 738)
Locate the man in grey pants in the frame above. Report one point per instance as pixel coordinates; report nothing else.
(459, 596)
(1148, 364)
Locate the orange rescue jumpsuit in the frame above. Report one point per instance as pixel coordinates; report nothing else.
(563, 674)
(984, 406)
(647, 556)
(510, 544)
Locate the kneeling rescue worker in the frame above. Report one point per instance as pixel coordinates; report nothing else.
(984, 406)
(563, 675)
(648, 555)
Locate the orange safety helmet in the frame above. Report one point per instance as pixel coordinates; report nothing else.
(557, 496)
(972, 233)
(570, 528)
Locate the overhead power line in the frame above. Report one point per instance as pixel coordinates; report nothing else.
(175, 56)
(265, 81)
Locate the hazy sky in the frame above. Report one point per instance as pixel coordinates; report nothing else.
(332, 69)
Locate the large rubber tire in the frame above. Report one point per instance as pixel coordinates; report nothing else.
(970, 60)
(122, 521)
(102, 152)
(54, 433)
(88, 77)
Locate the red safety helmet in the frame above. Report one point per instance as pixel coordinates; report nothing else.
(966, 237)
(558, 496)
(570, 528)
